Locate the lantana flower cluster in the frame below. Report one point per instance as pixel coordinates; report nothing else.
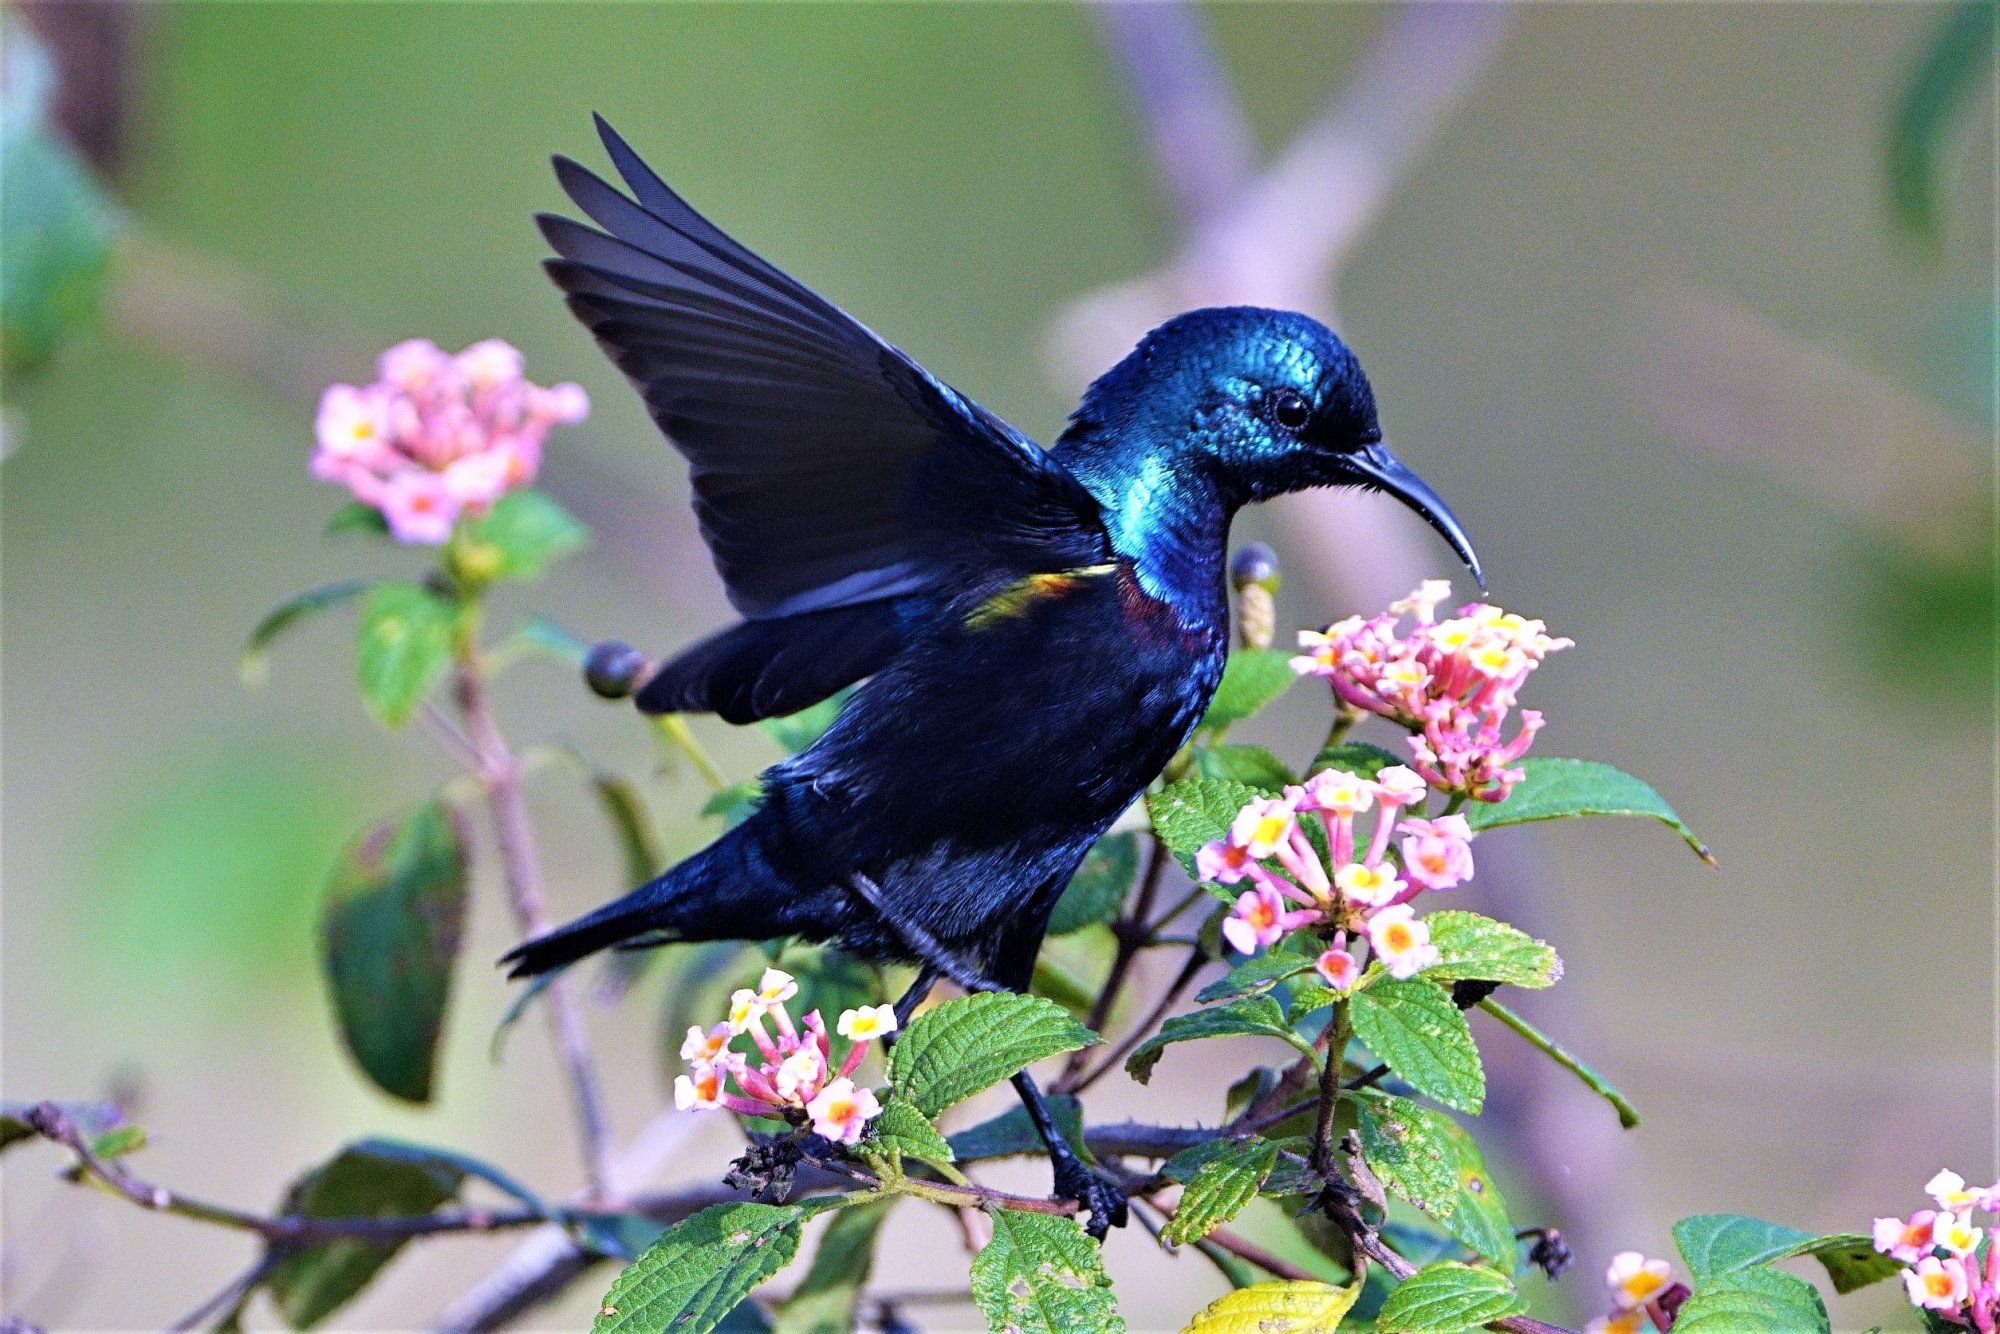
(1946, 1273)
(1362, 890)
(438, 435)
(1452, 683)
(795, 1076)
(1642, 1290)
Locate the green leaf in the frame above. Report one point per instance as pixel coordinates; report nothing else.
(825, 1299)
(404, 646)
(638, 838)
(1428, 1159)
(796, 731)
(1252, 678)
(255, 662)
(695, 1274)
(1100, 884)
(1471, 946)
(1556, 789)
(1220, 1188)
(1851, 1260)
(1257, 973)
(1012, 1133)
(1196, 811)
(369, 1179)
(1355, 757)
(963, 1046)
(1413, 1025)
(902, 1131)
(1299, 1306)
(1717, 1244)
(1942, 92)
(1253, 766)
(521, 536)
(96, 1120)
(1248, 1016)
(1041, 1275)
(355, 517)
(57, 224)
(737, 802)
(1753, 1301)
(1445, 1297)
(390, 931)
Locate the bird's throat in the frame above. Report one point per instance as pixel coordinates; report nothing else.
(1168, 519)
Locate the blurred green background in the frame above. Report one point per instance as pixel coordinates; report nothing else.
(1643, 312)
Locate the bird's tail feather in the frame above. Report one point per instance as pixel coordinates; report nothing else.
(727, 891)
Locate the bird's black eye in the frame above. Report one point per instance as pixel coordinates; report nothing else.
(1290, 409)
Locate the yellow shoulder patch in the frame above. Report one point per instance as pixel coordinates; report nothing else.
(1015, 599)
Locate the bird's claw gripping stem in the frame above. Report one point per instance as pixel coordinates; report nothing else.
(1074, 1180)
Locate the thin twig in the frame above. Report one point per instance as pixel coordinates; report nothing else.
(521, 870)
(230, 1298)
(1132, 931)
(1257, 1255)
(1196, 959)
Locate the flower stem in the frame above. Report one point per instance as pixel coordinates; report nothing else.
(520, 868)
(674, 727)
(1628, 1115)
(1338, 1030)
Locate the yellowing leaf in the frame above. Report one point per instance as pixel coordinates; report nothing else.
(1277, 1308)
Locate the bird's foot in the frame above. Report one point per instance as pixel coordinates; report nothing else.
(1094, 1193)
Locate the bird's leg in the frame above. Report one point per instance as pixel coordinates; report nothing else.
(927, 977)
(925, 947)
(1074, 1180)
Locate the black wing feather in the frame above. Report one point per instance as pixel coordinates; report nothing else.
(830, 472)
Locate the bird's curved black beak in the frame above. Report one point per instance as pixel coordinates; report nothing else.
(1378, 468)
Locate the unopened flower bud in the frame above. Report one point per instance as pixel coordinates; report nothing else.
(1254, 573)
(614, 670)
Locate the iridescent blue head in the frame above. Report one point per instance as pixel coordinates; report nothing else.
(1217, 408)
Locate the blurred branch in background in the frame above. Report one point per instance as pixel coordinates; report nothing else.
(1282, 238)
(1935, 106)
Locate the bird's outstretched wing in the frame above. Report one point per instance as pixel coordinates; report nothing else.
(832, 475)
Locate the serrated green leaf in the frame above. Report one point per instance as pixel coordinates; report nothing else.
(369, 1179)
(518, 538)
(1098, 888)
(1012, 1133)
(963, 1046)
(403, 646)
(1851, 1260)
(1220, 1188)
(695, 1274)
(1472, 946)
(1355, 757)
(1755, 1300)
(1298, 1306)
(1413, 1025)
(1557, 789)
(796, 731)
(389, 934)
(1257, 973)
(901, 1130)
(1248, 1016)
(1253, 766)
(1252, 678)
(1041, 1275)
(254, 663)
(1428, 1159)
(825, 1299)
(1196, 811)
(1445, 1297)
(1717, 1244)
